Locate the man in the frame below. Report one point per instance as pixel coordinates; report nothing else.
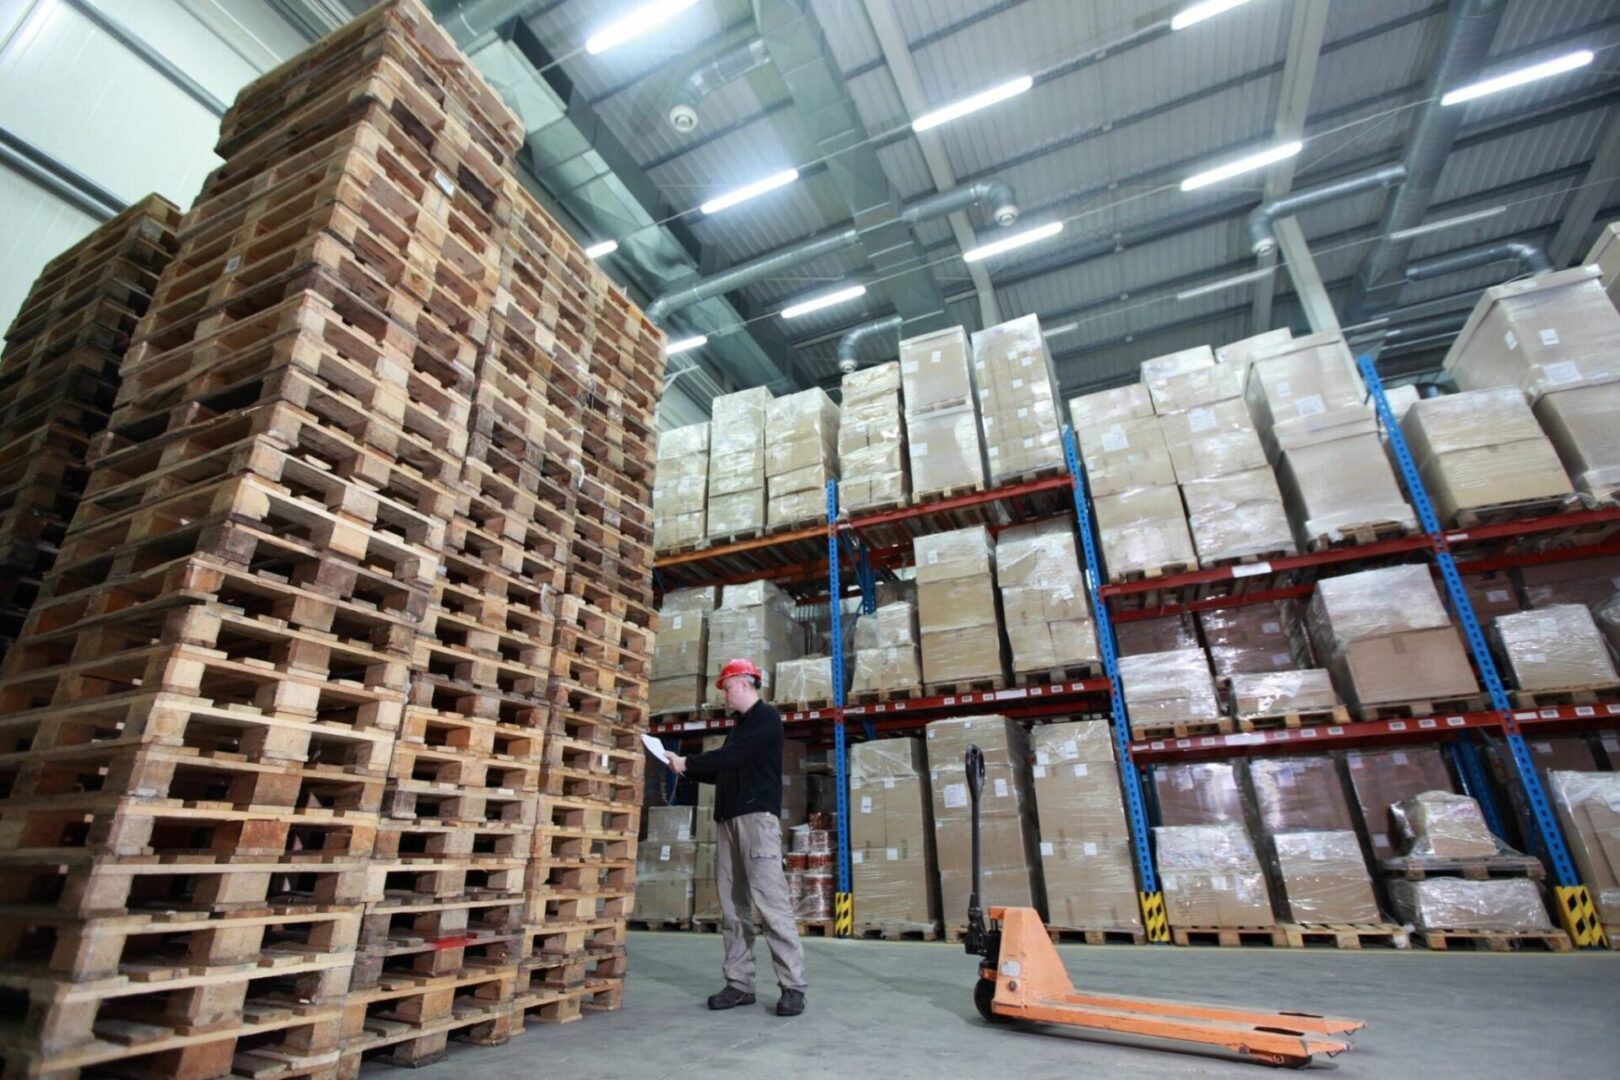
(747, 774)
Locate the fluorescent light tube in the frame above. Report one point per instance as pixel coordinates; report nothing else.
(1242, 165)
(1016, 240)
(1199, 12)
(606, 247)
(973, 104)
(1447, 223)
(634, 23)
(1546, 69)
(749, 191)
(1226, 283)
(826, 300)
(685, 345)
(1066, 328)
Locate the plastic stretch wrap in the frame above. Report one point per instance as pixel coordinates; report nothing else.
(678, 530)
(1372, 603)
(1084, 841)
(1210, 441)
(682, 644)
(1580, 424)
(874, 383)
(1043, 597)
(1144, 530)
(1012, 875)
(732, 473)
(959, 553)
(665, 874)
(1492, 475)
(680, 694)
(944, 449)
(891, 625)
(1164, 689)
(1162, 633)
(737, 421)
(1581, 581)
(705, 890)
(1467, 421)
(1459, 904)
(669, 824)
(1608, 621)
(803, 431)
(1279, 693)
(891, 835)
(1254, 639)
(1107, 407)
(1241, 354)
(934, 372)
(805, 506)
(1323, 877)
(871, 440)
(1206, 793)
(1605, 255)
(1237, 516)
(1321, 428)
(1438, 824)
(689, 441)
(1381, 778)
(1298, 792)
(1555, 648)
(681, 487)
(886, 650)
(1018, 399)
(1588, 805)
(804, 681)
(754, 594)
(1211, 877)
(1337, 487)
(736, 514)
(764, 634)
(1552, 332)
(1125, 455)
(1170, 365)
(701, 598)
(1307, 377)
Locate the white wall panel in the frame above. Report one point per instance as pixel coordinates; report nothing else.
(38, 227)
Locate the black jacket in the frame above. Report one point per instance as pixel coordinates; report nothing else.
(747, 770)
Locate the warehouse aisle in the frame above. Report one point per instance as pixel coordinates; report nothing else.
(902, 1010)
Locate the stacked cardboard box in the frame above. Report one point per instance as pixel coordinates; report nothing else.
(737, 463)
(886, 657)
(1314, 859)
(1253, 639)
(1010, 871)
(1491, 594)
(1298, 792)
(1554, 648)
(1281, 693)
(681, 651)
(1379, 779)
(1203, 793)
(1018, 401)
(1591, 582)
(1607, 618)
(1211, 877)
(681, 487)
(1444, 826)
(942, 422)
(1161, 633)
(872, 441)
(801, 455)
(1589, 807)
(1481, 448)
(891, 837)
(1307, 400)
(1441, 825)
(956, 607)
(666, 866)
(805, 683)
(1169, 691)
(1144, 531)
(754, 621)
(1241, 355)
(1605, 255)
(1085, 844)
(1043, 598)
(1581, 425)
(1386, 637)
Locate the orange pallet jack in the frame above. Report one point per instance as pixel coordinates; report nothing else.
(1021, 977)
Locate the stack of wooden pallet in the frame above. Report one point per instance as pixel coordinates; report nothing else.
(58, 376)
(282, 726)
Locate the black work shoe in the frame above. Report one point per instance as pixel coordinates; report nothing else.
(730, 998)
(792, 1003)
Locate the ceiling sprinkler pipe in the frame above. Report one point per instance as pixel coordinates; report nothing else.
(1262, 238)
(850, 343)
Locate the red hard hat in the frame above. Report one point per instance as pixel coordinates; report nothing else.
(738, 667)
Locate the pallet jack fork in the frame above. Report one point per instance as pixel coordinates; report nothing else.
(1021, 977)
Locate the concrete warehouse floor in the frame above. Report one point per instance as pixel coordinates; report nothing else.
(902, 1010)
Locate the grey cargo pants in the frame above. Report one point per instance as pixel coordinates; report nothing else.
(748, 876)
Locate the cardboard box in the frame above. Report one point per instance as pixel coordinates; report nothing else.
(1106, 407)
(1378, 779)
(1162, 633)
(1323, 878)
(705, 889)
(1144, 529)
(1204, 793)
(665, 872)
(804, 683)
(1554, 648)
(1166, 689)
(1580, 424)
(1018, 400)
(1605, 255)
(1189, 378)
(682, 644)
(1551, 332)
(1588, 805)
(1298, 792)
(1608, 621)
(1240, 355)
(1043, 597)
(872, 440)
(946, 454)
(738, 514)
(934, 371)
(1237, 516)
(1371, 603)
(1211, 877)
(1491, 594)
(681, 694)
(1210, 441)
(955, 656)
(1309, 377)
(738, 421)
(1281, 693)
(1592, 582)
(891, 834)
(1419, 665)
(705, 598)
(1481, 448)
(668, 824)
(1084, 840)
(1331, 489)
(1125, 455)
(1459, 904)
(765, 634)
(886, 656)
(681, 487)
(1011, 871)
(1440, 825)
(1253, 639)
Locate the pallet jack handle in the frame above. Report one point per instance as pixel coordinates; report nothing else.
(976, 940)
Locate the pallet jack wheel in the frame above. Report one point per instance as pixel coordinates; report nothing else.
(984, 992)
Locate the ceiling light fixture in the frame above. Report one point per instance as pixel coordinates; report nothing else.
(1242, 165)
(606, 247)
(634, 23)
(1199, 12)
(973, 104)
(1544, 70)
(675, 348)
(1058, 331)
(1447, 223)
(749, 191)
(1226, 283)
(1016, 240)
(826, 300)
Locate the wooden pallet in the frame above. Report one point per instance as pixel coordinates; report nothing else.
(1150, 573)
(846, 513)
(879, 697)
(1309, 717)
(1517, 510)
(803, 704)
(1480, 868)
(1229, 936)
(1410, 710)
(986, 685)
(1070, 673)
(1069, 935)
(816, 928)
(1347, 536)
(897, 931)
(1247, 560)
(1583, 695)
(1346, 935)
(1555, 941)
(659, 924)
(1182, 729)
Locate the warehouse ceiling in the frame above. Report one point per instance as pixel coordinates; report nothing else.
(1123, 107)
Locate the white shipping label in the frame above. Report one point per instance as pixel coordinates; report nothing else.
(1026, 361)
(888, 782)
(1200, 419)
(1399, 757)
(1284, 389)
(1040, 772)
(933, 558)
(908, 367)
(1017, 384)
(1022, 413)
(1089, 848)
(675, 622)
(1549, 336)
(866, 804)
(1311, 405)
(1285, 778)
(857, 857)
(1047, 847)
(1042, 758)
(1001, 788)
(992, 452)
(1380, 839)
(663, 853)
(1271, 628)
(1511, 340)
(1114, 440)
(1080, 768)
(1497, 596)
(1563, 373)
(1281, 659)
(919, 449)
(232, 263)
(934, 357)
(1029, 443)
(892, 854)
(956, 796)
